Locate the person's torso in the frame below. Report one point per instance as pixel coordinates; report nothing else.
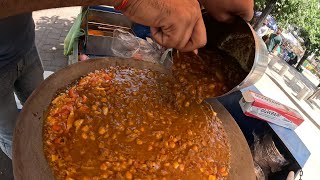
(277, 39)
(16, 37)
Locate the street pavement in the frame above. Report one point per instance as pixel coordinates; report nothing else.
(52, 26)
(310, 108)
(277, 87)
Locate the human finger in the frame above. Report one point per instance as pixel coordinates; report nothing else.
(198, 38)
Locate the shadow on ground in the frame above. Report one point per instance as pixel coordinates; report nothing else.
(294, 88)
(313, 105)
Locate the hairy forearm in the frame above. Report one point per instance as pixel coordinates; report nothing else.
(14, 7)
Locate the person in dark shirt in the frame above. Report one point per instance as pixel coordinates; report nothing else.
(293, 61)
(174, 24)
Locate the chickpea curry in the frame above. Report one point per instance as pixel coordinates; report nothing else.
(209, 74)
(124, 123)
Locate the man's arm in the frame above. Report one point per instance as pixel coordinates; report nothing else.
(14, 7)
(226, 10)
(174, 23)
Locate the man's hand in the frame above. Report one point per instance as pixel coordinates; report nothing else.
(174, 23)
(226, 10)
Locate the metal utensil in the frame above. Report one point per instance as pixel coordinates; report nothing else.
(238, 39)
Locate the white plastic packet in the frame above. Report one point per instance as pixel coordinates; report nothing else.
(126, 45)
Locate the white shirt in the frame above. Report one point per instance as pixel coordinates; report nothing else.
(262, 31)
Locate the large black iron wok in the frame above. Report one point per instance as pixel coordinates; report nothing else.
(28, 157)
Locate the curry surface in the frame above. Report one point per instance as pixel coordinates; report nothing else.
(209, 74)
(124, 123)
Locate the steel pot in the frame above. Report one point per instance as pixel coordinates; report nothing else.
(239, 40)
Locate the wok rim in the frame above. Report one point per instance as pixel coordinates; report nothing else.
(40, 167)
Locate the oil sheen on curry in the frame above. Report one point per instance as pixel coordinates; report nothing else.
(127, 123)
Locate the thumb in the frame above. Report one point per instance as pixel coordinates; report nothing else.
(157, 35)
(162, 38)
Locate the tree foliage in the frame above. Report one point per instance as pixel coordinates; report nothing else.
(304, 14)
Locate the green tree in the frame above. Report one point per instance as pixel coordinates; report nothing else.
(309, 22)
(267, 9)
(304, 14)
(283, 10)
